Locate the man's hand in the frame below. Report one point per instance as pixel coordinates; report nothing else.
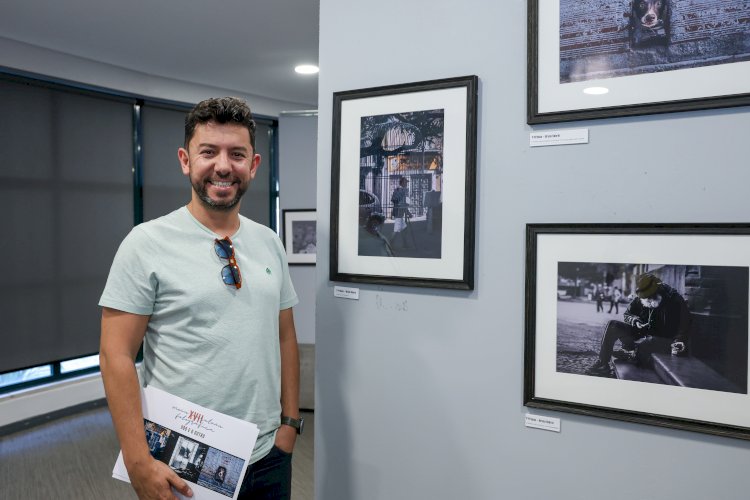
(154, 480)
(640, 325)
(286, 436)
(678, 348)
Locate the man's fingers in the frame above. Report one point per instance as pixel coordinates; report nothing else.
(179, 484)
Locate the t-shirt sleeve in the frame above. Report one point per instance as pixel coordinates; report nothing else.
(132, 282)
(287, 296)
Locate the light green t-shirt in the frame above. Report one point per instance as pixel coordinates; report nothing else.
(207, 342)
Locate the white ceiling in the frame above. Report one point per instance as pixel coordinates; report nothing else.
(250, 46)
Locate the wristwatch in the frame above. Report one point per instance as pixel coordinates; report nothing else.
(298, 424)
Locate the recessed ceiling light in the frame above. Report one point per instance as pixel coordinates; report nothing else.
(595, 90)
(306, 69)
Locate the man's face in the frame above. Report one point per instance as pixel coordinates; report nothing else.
(652, 302)
(220, 163)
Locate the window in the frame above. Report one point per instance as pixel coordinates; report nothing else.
(85, 194)
(43, 374)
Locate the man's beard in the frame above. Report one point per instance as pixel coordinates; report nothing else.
(211, 204)
(652, 303)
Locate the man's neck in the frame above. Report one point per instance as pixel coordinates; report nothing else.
(223, 223)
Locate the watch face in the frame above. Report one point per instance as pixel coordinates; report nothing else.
(293, 422)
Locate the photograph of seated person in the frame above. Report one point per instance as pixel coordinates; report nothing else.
(656, 321)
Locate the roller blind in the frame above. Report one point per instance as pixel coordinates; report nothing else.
(66, 203)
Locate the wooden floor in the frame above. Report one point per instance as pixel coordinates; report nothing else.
(72, 459)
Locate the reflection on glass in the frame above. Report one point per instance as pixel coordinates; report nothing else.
(73, 365)
(26, 375)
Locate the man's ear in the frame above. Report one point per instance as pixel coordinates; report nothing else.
(184, 158)
(254, 165)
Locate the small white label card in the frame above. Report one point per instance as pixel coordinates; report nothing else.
(346, 293)
(559, 137)
(545, 423)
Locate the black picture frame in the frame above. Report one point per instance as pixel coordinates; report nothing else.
(398, 217)
(672, 71)
(299, 234)
(703, 388)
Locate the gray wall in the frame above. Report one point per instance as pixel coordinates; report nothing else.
(426, 402)
(298, 137)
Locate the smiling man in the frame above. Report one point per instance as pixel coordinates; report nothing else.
(207, 291)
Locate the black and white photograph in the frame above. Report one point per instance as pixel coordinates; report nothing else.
(640, 322)
(403, 184)
(221, 472)
(598, 59)
(187, 458)
(681, 325)
(300, 235)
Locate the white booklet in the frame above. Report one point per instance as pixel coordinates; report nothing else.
(208, 449)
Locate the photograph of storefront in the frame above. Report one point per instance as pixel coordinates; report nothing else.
(401, 183)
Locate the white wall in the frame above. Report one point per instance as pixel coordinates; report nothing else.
(298, 136)
(427, 402)
(30, 403)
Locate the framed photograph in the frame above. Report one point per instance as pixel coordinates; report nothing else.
(403, 184)
(633, 57)
(300, 235)
(640, 322)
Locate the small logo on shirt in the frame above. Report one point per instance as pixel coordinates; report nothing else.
(268, 270)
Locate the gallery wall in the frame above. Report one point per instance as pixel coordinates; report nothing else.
(419, 391)
(298, 135)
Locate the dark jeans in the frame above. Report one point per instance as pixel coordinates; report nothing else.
(632, 338)
(613, 303)
(270, 478)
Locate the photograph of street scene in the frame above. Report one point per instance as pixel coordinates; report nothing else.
(187, 458)
(194, 461)
(401, 184)
(678, 325)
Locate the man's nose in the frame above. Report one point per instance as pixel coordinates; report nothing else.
(223, 164)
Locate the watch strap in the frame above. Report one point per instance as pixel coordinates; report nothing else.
(293, 422)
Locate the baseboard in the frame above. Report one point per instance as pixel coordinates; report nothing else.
(29, 407)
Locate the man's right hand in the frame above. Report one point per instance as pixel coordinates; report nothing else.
(154, 480)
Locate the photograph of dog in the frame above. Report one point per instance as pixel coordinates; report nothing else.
(619, 38)
(649, 23)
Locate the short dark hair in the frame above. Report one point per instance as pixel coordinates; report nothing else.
(220, 110)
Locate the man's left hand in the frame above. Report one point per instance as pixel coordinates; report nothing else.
(286, 436)
(678, 348)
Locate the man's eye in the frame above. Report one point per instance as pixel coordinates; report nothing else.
(239, 155)
(207, 151)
